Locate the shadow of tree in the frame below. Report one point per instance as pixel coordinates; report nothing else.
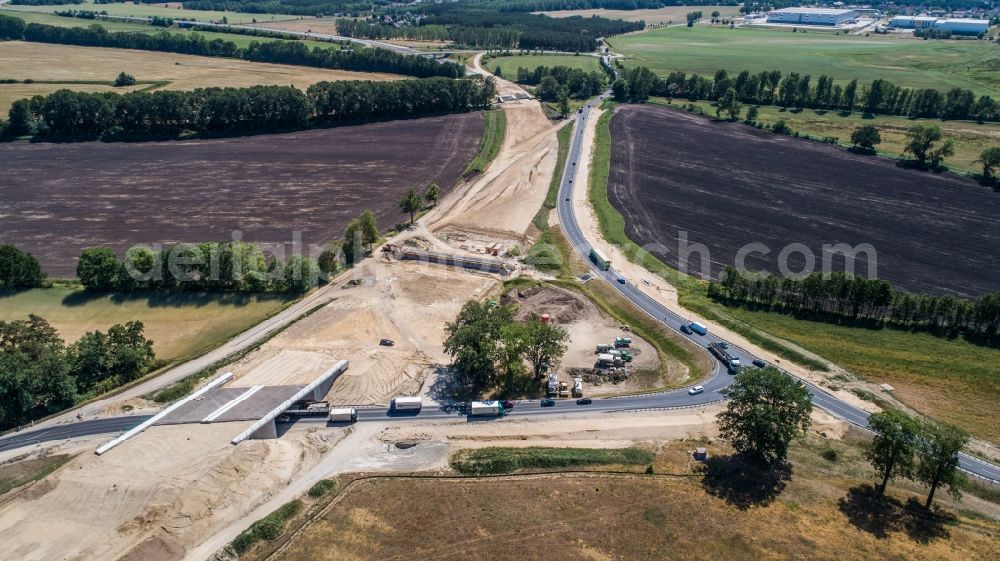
(743, 483)
(449, 391)
(881, 518)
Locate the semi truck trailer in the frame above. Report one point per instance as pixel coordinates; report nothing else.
(406, 405)
(732, 363)
(344, 415)
(486, 409)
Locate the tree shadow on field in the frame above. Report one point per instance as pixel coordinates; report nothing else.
(174, 299)
(882, 517)
(744, 483)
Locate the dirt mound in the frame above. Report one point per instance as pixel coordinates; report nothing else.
(562, 305)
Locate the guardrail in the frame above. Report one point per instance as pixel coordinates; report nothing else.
(225, 378)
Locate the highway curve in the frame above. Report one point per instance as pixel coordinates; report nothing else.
(675, 399)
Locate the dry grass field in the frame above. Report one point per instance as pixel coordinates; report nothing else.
(180, 325)
(63, 64)
(820, 513)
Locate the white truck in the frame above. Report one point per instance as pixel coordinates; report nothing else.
(577, 387)
(486, 409)
(344, 415)
(406, 405)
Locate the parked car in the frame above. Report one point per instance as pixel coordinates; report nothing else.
(696, 390)
(686, 329)
(548, 403)
(584, 401)
(759, 363)
(387, 342)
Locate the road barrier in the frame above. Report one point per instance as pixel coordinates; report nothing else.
(225, 378)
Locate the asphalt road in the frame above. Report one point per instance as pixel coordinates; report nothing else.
(675, 399)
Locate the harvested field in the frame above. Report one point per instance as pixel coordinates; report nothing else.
(652, 16)
(61, 198)
(727, 185)
(64, 64)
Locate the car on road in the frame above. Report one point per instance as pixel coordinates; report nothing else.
(567, 198)
(283, 418)
(686, 329)
(509, 404)
(621, 279)
(759, 363)
(387, 342)
(584, 401)
(723, 345)
(547, 403)
(696, 390)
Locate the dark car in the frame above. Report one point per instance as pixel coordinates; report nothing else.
(759, 363)
(509, 404)
(548, 403)
(387, 342)
(723, 345)
(686, 329)
(584, 401)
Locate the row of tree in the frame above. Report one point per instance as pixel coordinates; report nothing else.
(553, 81)
(19, 270)
(344, 57)
(70, 114)
(491, 350)
(351, 8)
(41, 375)
(797, 91)
(841, 296)
(205, 267)
(485, 26)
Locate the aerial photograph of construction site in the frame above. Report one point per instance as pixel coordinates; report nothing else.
(506, 279)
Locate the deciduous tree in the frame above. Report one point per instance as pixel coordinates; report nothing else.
(939, 445)
(411, 204)
(766, 410)
(892, 450)
(865, 138)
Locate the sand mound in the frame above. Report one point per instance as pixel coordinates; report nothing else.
(562, 305)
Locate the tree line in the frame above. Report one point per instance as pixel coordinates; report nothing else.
(840, 296)
(484, 26)
(69, 114)
(346, 57)
(40, 374)
(351, 8)
(793, 90)
(553, 81)
(44, 2)
(19, 270)
(204, 267)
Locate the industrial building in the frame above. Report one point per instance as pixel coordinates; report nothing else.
(958, 26)
(812, 16)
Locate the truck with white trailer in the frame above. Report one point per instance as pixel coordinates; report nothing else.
(486, 409)
(406, 405)
(343, 415)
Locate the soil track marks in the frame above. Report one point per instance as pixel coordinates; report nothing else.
(61, 198)
(727, 185)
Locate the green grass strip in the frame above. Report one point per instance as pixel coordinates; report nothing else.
(499, 460)
(489, 146)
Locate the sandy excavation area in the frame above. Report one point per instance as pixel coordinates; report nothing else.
(588, 327)
(497, 206)
(406, 302)
(153, 497)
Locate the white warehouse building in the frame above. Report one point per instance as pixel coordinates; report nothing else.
(912, 22)
(812, 16)
(963, 26)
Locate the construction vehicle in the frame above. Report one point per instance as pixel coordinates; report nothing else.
(625, 355)
(577, 387)
(486, 409)
(603, 348)
(344, 415)
(406, 405)
(563, 389)
(309, 409)
(623, 342)
(732, 363)
(605, 359)
(552, 387)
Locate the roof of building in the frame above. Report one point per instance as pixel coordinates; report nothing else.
(965, 20)
(831, 11)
